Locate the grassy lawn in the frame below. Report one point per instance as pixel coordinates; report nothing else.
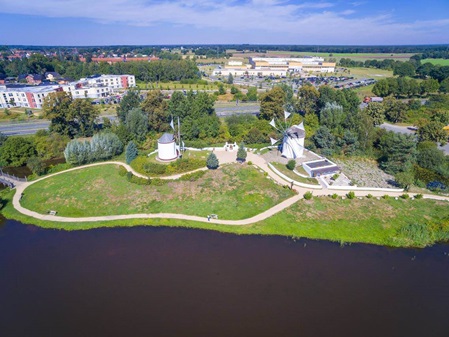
(441, 62)
(233, 192)
(367, 220)
(377, 74)
(175, 86)
(364, 91)
(283, 169)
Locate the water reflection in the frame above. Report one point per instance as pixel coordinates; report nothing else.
(178, 282)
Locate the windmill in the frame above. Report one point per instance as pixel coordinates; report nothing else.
(290, 137)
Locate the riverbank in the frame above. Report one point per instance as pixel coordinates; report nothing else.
(386, 222)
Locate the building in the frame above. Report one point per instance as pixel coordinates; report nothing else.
(25, 96)
(92, 87)
(276, 66)
(166, 147)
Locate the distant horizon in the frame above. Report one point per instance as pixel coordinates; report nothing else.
(232, 45)
(200, 22)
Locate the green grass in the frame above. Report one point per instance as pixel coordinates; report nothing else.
(377, 74)
(233, 192)
(283, 169)
(362, 92)
(441, 62)
(381, 222)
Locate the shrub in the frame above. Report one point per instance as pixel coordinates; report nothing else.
(250, 162)
(308, 195)
(405, 196)
(369, 196)
(212, 162)
(291, 164)
(155, 168)
(140, 181)
(122, 171)
(350, 195)
(131, 152)
(158, 182)
(335, 176)
(241, 153)
(418, 196)
(36, 165)
(58, 168)
(386, 197)
(334, 196)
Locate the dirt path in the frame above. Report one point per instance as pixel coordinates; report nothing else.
(224, 157)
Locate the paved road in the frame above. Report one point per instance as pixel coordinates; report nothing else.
(23, 128)
(237, 109)
(397, 128)
(224, 157)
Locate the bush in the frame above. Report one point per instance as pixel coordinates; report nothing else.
(122, 171)
(386, 197)
(58, 168)
(350, 195)
(418, 196)
(369, 196)
(155, 168)
(335, 176)
(158, 182)
(405, 196)
(291, 164)
(212, 162)
(241, 153)
(308, 195)
(36, 165)
(250, 162)
(334, 196)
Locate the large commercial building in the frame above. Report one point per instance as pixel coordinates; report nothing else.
(91, 87)
(276, 66)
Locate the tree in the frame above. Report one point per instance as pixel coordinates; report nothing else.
(376, 111)
(307, 100)
(50, 145)
(155, 107)
(212, 161)
(432, 131)
(429, 86)
(291, 164)
(381, 88)
(82, 116)
(444, 86)
(241, 153)
(324, 139)
(128, 102)
(15, 151)
(395, 111)
(405, 179)
(36, 165)
(56, 108)
(332, 115)
(398, 152)
(69, 117)
(272, 104)
(430, 157)
(230, 79)
(131, 152)
(137, 124)
(221, 89)
(105, 146)
(3, 138)
(403, 69)
(251, 95)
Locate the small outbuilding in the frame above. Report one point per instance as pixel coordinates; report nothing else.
(166, 146)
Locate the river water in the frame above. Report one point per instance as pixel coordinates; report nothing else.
(178, 282)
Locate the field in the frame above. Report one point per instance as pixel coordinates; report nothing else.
(232, 192)
(440, 62)
(377, 74)
(337, 56)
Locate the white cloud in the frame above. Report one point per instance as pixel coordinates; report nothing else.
(299, 23)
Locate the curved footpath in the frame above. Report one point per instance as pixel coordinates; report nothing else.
(224, 158)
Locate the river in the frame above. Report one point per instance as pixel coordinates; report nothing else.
(160, 282)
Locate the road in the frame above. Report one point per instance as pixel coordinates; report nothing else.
(23, 128)
(397, 128)
(237, 109)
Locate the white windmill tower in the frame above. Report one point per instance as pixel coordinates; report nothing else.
(291, 137)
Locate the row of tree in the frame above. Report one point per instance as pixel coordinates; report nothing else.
(403, 87)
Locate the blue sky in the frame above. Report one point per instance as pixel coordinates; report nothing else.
(147, 22)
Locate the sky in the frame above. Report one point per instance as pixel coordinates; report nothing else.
(155, 22)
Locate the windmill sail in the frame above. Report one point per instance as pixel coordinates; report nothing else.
(286, 114)
(273, 124)
(273, 141)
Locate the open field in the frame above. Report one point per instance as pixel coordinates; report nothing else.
(232, 192)
(338, 56)
(440, 62)
(377, 74)
(366, 220)
(364, 91)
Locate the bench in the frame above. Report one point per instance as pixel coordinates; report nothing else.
(52, 212)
